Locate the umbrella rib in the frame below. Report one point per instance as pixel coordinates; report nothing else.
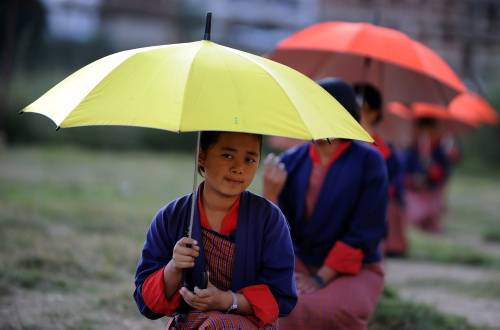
(241, 54)
(186, 84)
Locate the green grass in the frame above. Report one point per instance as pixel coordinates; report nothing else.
(472, 217)
(394, 313)
(73, 221)
(480, 289)
(491, 234)
(447, 249)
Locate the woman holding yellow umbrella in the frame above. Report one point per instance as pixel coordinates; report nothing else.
(243, 241)
(203, 86)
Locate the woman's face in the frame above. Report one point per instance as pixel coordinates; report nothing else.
(231, 163)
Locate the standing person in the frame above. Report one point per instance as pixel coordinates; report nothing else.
(396, 243)
(427, 169)
(240, 238)
(334, 195)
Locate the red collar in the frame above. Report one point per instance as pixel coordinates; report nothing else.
(229, 222)
(343, 146)
(382, 146)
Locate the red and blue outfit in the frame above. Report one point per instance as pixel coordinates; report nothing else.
(421, 173)
(252, 254)
(337, 219)
(395, 168)
(425, 179)
(396, 242)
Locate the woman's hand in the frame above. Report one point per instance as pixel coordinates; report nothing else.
(207, 299)
(306, 284)
(274, 177)
(185, 250)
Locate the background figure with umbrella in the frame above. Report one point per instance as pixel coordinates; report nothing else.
(241, 239)
(401, 68)
(372, 115)
(434, 150)
(427, 169)
(334, 195)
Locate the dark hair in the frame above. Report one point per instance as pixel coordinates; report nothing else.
(342, 92)
(209, 138)
(370, 95)
(426, 122)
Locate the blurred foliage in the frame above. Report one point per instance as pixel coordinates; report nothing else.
(41, 62)
(22, 29)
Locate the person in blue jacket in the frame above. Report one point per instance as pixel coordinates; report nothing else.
(427, 170)
(241, 240)
(372, 114)
(334, 196)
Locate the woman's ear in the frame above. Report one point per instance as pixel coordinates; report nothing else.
(202, 156)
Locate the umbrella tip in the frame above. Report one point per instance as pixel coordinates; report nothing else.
(21, 112)
(57, 128)
(208, 26)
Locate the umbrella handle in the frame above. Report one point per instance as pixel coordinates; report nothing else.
(188, 280)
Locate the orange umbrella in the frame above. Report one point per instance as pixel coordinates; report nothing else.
(398, 124)
(420, 110)
(473, 109)
(402, 68)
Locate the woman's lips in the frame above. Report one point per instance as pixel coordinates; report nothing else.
(234, 181)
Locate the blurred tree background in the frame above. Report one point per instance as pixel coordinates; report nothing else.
(39, 48)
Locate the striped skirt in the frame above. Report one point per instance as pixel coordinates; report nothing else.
(219, 259)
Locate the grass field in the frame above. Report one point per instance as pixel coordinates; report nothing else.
(72, 223)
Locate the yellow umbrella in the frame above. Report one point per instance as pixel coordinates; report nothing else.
(197, 86)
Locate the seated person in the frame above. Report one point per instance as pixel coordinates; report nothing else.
(239, 238)
(334, 195)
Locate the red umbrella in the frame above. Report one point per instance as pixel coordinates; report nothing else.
(473, 109)
(402, 68)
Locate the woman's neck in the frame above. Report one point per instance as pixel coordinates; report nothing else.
(215, 202)
(326, 150)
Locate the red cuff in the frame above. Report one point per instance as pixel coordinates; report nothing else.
(392, 190)
(343, 258)
(153, 294)
(264, 305)
(436, 173)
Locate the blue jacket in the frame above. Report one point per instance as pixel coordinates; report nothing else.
(264, 252)
(351, 206)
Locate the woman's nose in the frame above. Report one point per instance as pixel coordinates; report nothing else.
(237, 168)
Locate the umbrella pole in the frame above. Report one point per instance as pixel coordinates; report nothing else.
(187, 274)
(189, 231)
(195, 186)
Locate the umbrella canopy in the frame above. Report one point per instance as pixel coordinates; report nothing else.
(402, 68)
(198, 86)
(398, 125)
(473, 109)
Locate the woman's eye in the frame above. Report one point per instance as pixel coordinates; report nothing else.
(227, 156)
(251, 161)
